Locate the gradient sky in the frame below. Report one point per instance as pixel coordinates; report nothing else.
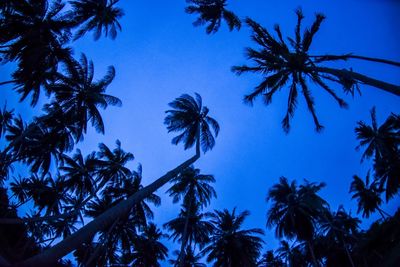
(159, 55)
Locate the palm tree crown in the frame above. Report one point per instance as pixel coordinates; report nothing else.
(97, 15)
(295, 209)
(191, 117)
(212, 12)
(231, 246)
(368, 195)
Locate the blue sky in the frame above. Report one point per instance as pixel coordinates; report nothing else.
(159, 55)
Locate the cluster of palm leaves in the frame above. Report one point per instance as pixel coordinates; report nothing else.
(312, 234)
(95, 205)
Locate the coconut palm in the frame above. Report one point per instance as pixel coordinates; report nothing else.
(230, 245)
(382, 143)
(35, 35)
(123, 207)
(291, 254)
(197, 231)
(282, 66)
(193, 187)
(113, 163)
(6, 118)
(128, 186)
(148, 248)
(189, 258)
(191, 117)
(340, 227)
(368, 195)
(269, 259)
(212, 12)
(79, 172)
(100, 16)
(77, 93)
(295, 210)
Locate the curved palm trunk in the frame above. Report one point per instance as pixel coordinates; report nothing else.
(312, 254)
(104, 220)
(388, 87)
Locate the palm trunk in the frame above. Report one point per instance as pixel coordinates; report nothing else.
(312, 254)
(184, 237)
(348, 253)
(372, 59)
(387, 87)
(104, 220)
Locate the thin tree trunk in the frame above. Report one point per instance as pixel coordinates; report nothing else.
(312, 254)
(104, 220)
(350, 56)
(388, 87)
(348, 253)
(184, 236)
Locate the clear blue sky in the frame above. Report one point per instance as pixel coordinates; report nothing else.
(159, 55)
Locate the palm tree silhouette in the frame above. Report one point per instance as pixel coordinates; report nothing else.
(281, 65)
(34, 34)
(194, 188)
(212, 12)
(124, 206)
(269, 259)
(382, 143)
(189, 258)
(295, 210)
(148, 249)
(100, 16)
(231, 246)
(76, 92)
(340, 227)
(196, 231)
(291, 254)
(368, 195)
(191, 117)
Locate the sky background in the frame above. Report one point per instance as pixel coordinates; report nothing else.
(159, 55)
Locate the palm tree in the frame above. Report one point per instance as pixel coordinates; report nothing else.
(110, 215)
(382, 143)
(77, 93)
(193, 187)
(269, 259)
(98, 16)
(295, 210)
(190, 226)
(291, 254)
(113, 163)
(340, 227)
(6, 118)
(148, 249)
(191, 117)
(281, 65)
(35, 35)
(189, 258)
(129, 185)
(80, 172)
(212, 12)
(368, 195)
(231, 246)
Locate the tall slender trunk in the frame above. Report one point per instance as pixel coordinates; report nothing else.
(349, 56)
(185, 236)
(104, 220)
(312, 254)
(340, 73)
(347, 252)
